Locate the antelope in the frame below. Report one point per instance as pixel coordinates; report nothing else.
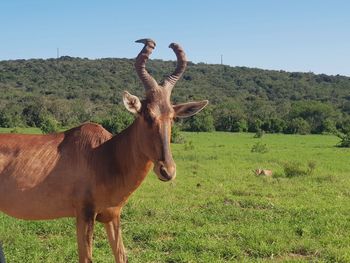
(263, 172)
(86, 172)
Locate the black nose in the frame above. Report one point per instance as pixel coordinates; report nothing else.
(164, 173)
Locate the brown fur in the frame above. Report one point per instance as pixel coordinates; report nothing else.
(263, 172)
(63, 175)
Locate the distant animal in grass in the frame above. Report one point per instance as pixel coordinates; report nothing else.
(265, 172)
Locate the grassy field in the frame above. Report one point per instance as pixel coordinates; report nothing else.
(21, 130)
(217, 210)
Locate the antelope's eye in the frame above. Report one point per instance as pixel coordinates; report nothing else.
(149, 118)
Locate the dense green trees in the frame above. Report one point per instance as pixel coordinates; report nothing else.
(201, 122)
(117, 120)
(69, 91)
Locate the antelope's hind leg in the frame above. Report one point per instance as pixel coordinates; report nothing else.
(85, 227)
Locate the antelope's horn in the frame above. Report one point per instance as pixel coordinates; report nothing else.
(140, 64)
(171, 80)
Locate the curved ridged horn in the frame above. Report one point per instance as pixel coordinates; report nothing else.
(140, 63)
(171, 80)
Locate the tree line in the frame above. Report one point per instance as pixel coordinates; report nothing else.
(68, 91)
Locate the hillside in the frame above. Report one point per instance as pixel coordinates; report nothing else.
(74, 90)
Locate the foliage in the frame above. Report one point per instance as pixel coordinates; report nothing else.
(344, 139)
(292, 169)
(314, 113)
(201, 122)
(259, 147)
(119, 119)
(176, 135)
(14, 130)
(230, 117)
(75, 90)
(298, 126)
(259, 134)
(49, 125)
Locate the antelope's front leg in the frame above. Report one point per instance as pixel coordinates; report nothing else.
(85, 227)
(114, 233)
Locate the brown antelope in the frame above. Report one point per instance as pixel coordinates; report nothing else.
(263, 172)
(87, 173)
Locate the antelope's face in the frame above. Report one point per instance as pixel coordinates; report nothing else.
(156, 113)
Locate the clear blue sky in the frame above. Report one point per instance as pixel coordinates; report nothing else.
(293, 35)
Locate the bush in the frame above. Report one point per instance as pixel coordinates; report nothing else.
(14, 130)
(49, 125)
(176, 136)
(293, 169)
(344, 139)
(10, 119)
(202, 122)
(298, 126)
(240, 126)
(119, 120)
(259, 148)
(254, 125)
(34, 113)
(259, 134)
(230, 116)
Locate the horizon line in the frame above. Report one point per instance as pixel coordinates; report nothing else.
(189, 61)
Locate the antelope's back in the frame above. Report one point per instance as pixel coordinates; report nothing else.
(44, 169)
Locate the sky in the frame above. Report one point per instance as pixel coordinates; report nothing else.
(290, 35)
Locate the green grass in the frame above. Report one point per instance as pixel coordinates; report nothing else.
(217, 210)
(21, 130)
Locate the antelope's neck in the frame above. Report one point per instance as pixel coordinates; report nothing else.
(125, 165)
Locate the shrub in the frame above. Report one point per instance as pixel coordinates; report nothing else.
(293, 169)
(119, 120)
(14, 130)
(10, 119)
(49, 125)
(259, 148)
(176, 136)
(299, 126)
(254, 125)
(344, 139)
(259, 134)
(202, 122)
(240, 126)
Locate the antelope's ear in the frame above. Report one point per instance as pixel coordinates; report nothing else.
(188, 109)
(131, 102)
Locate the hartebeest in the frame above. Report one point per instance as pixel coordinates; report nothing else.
(263, 172)
(86, 172)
